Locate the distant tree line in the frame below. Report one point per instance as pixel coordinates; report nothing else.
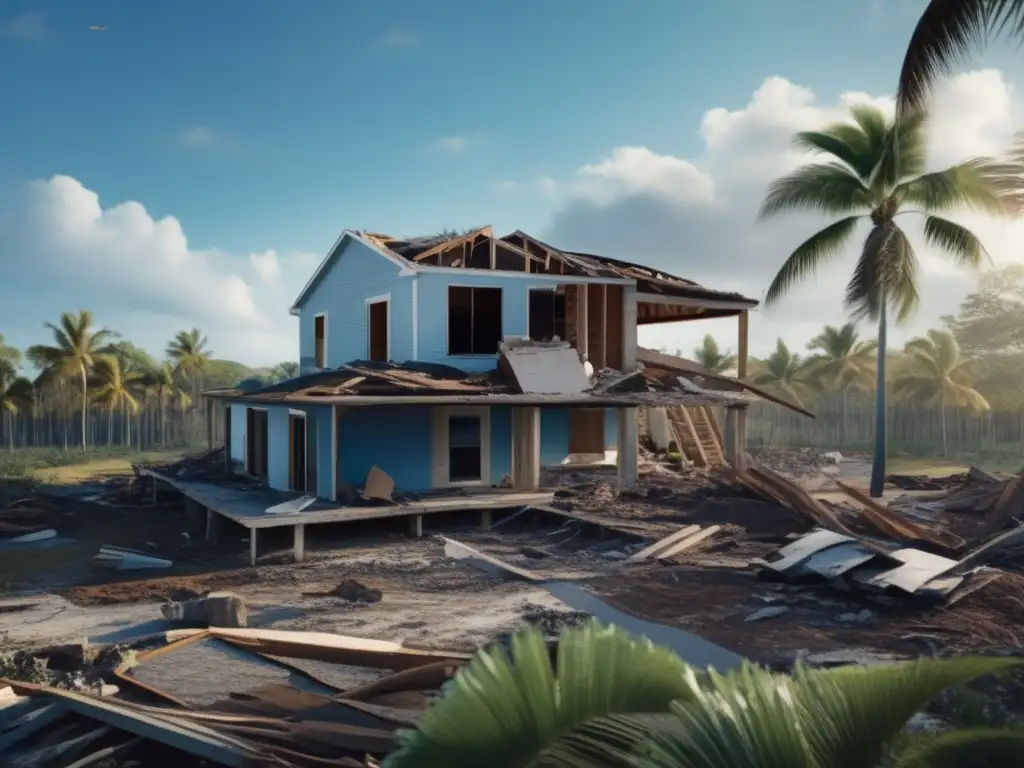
(90, 386)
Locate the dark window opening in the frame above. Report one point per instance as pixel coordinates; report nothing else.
(256, 443)
(509, 260)
(297, 454)
(465, 462)
(319, 330)
(377, 319)
(547, 315)
(480, 255)
(474, 320)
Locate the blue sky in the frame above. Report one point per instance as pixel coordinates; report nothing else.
(274, 125)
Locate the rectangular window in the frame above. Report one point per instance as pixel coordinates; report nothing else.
(547, 314)
(319, 339)
(465, 457)
(377, 323)
(474, 320)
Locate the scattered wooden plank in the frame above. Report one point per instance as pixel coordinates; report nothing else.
(681, 546)
(895, 527)
(30, 724)
(427, 677)
(459, 551)
(43, 755)
(661, 544)
(104, 754)
(1009, 505)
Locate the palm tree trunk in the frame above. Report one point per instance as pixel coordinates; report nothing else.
(878, 463)
(844, 417)
(85, 409)
(942, 418)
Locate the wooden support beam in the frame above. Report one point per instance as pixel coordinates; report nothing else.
(485, 520)
(335, 463)
(209, 423)
(526, 448)
(738, 458)
(581, 319)
(628, 460)
(252, 546)
(416, 526)
(299, 550)
(629, 327)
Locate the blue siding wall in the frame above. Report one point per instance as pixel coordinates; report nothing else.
(237, 432)
(324, 472)
(277, 447)
(554, 436)
(432, 306)
(357, 274)
(395, 438)
(501, 443)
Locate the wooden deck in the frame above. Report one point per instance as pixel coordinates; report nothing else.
(247, 507)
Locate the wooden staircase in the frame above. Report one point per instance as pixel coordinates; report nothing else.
(697, 435)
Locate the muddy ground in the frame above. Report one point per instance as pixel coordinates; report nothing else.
(429, 601)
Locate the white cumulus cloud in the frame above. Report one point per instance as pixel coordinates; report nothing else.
(696, 216)
(139, 275)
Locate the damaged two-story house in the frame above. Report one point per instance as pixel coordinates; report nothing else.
(416, 359)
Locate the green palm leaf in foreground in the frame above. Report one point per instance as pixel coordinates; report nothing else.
(613, 701)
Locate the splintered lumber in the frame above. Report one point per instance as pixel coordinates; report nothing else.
(1009, 504)
(323, 646)
(459, 551)
(691, 541)
(892, 526)
(774, 487)
(665, 543)
(427, 677)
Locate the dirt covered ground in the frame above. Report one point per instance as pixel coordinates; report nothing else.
(428, 600)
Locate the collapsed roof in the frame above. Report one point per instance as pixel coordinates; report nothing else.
(364, 382)
(519, 252)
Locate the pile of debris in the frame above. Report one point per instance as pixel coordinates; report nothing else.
(796, 461)
(913, 546)
(280, 724)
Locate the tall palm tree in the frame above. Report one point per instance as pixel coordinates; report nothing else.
(188, 351)
(939, 376)
(77, 346)
(7, 352)
(786, 373)
(947, 31)
(15, 393)
(115, 388)
(711, 357)
(613, 701)
(875, 172)
(841, 361)
(160, 382)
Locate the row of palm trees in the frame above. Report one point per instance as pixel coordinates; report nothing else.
(931, 372)
(87, 367)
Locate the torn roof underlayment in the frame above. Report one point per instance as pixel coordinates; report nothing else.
(530, 373)
(518, 251)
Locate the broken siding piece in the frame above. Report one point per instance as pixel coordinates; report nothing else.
(837, 560)
(804, 547)
(917, 570)
(546, 369)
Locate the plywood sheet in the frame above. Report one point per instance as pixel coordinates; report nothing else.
(547, 370)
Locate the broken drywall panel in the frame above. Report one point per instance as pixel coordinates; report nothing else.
(292, 507)
(917, 570)
(546, 369)
(837, 560)
(804, 547)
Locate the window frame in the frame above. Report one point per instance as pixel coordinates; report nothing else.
(448, 318)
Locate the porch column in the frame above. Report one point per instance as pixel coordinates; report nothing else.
(526, 449)
(738, 416)
(582, 331)
(627, 447)
(335, 464)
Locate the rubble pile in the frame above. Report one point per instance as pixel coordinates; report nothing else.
(132, 722)
(912, 546)
(795, 462)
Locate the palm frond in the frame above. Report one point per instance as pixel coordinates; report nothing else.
(981, 184)
(843, 142)
(828, 188)
(886, 272)
(806, 259)
(946, 32)
(957, 241)
(990, 747)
